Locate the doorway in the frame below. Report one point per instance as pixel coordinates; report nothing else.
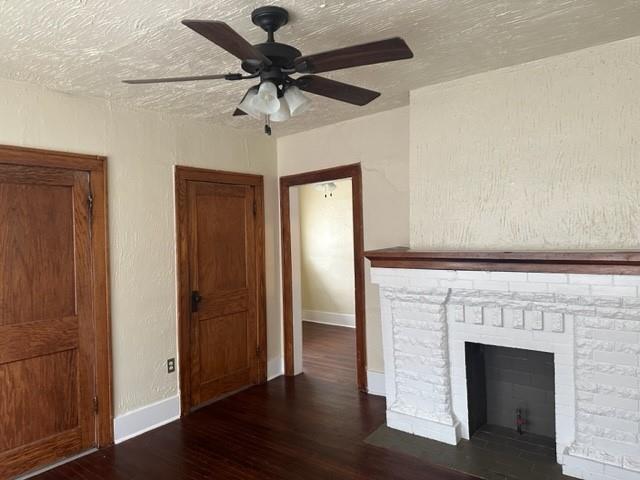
(325, 181)
(221, 283)
(55, 368)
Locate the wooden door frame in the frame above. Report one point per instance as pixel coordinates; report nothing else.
(96, 167)
(183, 175)
(354, 172)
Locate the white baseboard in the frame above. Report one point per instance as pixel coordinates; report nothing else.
(151, 416)
(144, 419)
(375, 383)
(329, 318)
(275, 368)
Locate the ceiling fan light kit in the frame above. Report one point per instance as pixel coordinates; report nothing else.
(279, 96)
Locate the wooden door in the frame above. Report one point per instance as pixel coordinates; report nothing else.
(47, 351)
(224, 346)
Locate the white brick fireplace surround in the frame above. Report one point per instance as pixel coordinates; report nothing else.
(590, 322)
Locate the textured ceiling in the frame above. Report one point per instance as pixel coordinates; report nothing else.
(85, 47)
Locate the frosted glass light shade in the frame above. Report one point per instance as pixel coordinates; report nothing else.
(266, 100)
(298, 102)
(246, 105)
(283, 112)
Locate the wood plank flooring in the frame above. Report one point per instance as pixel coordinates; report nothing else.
(329, 353)
(308, 427)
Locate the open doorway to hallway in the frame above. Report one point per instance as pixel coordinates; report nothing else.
(323, 273)
(327, 283)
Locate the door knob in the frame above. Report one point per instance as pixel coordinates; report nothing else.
(196, 298)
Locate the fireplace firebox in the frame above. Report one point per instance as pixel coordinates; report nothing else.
(511, 388)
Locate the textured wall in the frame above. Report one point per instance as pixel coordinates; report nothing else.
(326, 240)
(380, 144)
(542, 155)
(142, 149)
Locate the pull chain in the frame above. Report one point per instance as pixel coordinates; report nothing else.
(267, 124)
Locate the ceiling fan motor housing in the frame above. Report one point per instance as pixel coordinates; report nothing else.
(270, 18)
(282, 56)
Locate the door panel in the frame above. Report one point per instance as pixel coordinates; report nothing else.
(36, 387)
(224, 340)
(223, 346)
(222, 224)
(32, 211)
(47, 351)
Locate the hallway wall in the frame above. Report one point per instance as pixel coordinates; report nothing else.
(326, 238)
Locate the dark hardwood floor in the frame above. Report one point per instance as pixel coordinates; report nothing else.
(329, 353)
(308, 427)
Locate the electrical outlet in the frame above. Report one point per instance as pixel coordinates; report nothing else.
(171, 365)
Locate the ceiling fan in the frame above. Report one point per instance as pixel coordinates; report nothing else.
(279, 96)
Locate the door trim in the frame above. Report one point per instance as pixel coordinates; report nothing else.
(96, 166)
(182, 176)
(346, 171)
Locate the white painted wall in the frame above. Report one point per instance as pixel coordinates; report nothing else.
(143, 148)
(380, 143)
(540, 156)
(326, 241)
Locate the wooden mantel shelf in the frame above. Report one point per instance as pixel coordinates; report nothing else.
(594, 262)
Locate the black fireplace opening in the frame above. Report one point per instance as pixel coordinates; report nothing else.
(510, 390)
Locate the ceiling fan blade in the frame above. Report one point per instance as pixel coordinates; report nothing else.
(336, 90)
(381, 51)
(177, 79)
(238, 113)
(226, 37)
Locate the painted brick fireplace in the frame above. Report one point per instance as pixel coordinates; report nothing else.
(589, 322)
